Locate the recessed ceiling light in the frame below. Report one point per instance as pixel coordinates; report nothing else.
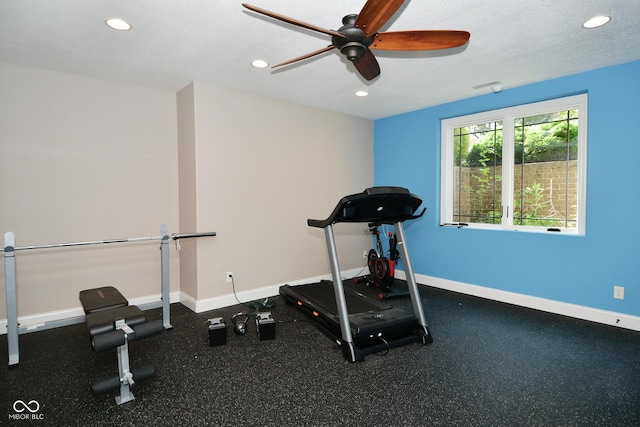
(362, 93)
(118, 24)
(596, 21)
(259, 63)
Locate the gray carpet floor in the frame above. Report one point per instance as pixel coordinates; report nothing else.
(491, 364)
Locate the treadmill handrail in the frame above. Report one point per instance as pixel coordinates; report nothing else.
(380, 205)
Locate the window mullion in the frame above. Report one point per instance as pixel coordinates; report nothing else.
(508, 149)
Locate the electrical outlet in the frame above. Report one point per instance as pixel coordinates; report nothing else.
(618, 292)
(365, 254)
(229, 276)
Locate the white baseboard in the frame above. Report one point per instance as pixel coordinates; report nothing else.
(75, 315)
(71, 316)
(562, 308)
(214, 303)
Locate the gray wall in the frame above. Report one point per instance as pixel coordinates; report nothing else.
(84, 159)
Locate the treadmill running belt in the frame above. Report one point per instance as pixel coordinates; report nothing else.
(322, 294)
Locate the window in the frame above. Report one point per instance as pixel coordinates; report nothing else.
(518, 168)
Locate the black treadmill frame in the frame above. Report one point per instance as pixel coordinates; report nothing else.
(380, 205)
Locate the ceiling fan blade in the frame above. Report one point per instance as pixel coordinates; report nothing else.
(292, 21)
(309, 55)
(375, 14)
(367, 65)
(419, 40)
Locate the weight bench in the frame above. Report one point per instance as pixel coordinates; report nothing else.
(111, 323)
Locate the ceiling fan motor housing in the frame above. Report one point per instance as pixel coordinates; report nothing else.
(355, 43)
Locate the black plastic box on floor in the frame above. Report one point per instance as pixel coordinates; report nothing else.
(217, 332)
(266, 326)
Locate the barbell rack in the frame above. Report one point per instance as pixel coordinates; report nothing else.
(10, 250)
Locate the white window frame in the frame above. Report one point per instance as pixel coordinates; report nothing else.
(508, 116)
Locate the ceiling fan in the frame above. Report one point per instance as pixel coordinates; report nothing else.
(359, 34)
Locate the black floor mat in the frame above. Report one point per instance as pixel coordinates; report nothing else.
(491, 364)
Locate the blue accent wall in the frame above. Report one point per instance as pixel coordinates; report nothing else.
(574, 269)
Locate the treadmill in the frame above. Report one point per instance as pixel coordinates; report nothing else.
(362, 325)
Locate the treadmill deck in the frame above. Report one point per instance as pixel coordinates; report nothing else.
(372, 321)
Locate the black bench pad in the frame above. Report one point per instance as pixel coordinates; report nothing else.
(99, 299)
(103, 321)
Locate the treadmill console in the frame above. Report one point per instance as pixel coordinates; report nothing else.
(381, 205)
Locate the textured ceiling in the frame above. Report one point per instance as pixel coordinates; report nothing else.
(175, 42)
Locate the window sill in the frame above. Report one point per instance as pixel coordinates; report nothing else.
(518, 229)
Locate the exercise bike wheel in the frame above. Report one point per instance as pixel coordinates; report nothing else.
(379, 269)
(373, 262)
